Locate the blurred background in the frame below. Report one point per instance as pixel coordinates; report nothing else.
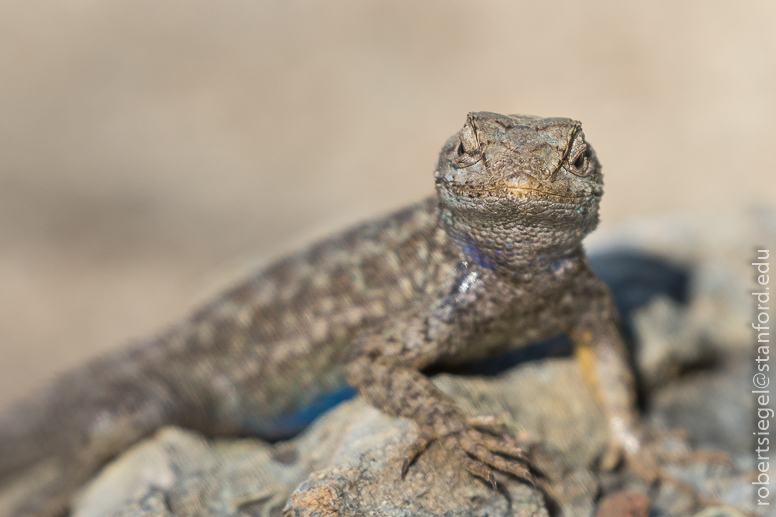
(155, 151)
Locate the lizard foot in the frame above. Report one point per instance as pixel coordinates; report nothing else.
(648, 460)
(477, 451)
(686, 455)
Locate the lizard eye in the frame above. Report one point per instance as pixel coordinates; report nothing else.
(469, 142)
(467, 152)
(579, 162)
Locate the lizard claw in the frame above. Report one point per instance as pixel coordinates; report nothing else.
(492, 479)
(425, 436)
(611, 458)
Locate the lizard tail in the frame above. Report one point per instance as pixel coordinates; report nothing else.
(24, 437)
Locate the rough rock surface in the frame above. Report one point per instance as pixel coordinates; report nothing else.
(694, 357)
(348, 462)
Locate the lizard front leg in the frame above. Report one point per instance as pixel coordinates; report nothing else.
(603, 358)
(385, 369)
(602, 355)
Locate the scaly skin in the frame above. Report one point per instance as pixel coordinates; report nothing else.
(493, 262)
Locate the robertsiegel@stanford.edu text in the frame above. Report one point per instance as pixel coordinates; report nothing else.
(761, 379)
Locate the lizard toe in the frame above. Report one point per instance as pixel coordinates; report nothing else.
(611, 457)
(697, 456)
(489, 424)
(654, 452)
(470, 443)
(479, 460)
(697, 500)
(503, 444)
(425, 437)
(474, 466)
(649, 460)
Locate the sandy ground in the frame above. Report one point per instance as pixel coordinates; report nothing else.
(152, 151)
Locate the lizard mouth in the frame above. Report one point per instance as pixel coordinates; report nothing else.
(520, 193)
(534, 192)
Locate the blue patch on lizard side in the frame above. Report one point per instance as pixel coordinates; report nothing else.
(287, 425)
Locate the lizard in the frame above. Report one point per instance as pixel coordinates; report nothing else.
(492, 262)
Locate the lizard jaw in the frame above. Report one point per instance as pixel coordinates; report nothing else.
(521, 193)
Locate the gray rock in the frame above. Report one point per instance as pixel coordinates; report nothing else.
(348, 462)
(718, 251)
(667, 340)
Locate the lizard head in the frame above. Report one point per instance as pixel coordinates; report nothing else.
(536, 178)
